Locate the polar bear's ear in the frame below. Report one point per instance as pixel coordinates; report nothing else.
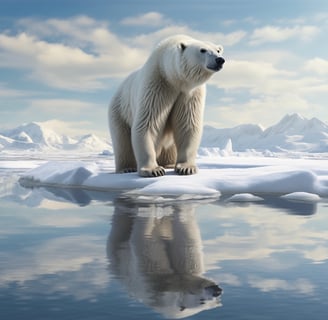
(182, 46)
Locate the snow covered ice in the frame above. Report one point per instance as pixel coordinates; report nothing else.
(221, 175)
(287, 159)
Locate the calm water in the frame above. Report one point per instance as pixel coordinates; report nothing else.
(72, 254)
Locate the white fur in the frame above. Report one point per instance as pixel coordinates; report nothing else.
(156, 115)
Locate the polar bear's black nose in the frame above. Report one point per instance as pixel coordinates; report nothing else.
(220, 61)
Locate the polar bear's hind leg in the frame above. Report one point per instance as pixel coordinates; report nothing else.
(121, 138)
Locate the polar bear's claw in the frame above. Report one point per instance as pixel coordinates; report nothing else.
(184, 170)
(157, 172)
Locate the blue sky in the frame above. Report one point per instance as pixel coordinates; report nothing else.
(60, 61)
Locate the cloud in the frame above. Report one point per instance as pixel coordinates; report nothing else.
(260, 109)
(150, 39)
(299, 286)
(152, 19)
(62, 105)
(8, 92)
(271, 77)
(84, 55)
(256, 76)
(56, 64)
(66, 67)
(70, 128)
(58, 125)
(74, 27)
(65, 115)
(318, 66)
(80, 53)
(278, 34)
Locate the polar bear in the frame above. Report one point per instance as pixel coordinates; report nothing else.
(156, 115)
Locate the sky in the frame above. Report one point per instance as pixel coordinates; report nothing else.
(61, 61)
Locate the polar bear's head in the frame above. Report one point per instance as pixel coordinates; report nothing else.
(188, 60)
(204, 55)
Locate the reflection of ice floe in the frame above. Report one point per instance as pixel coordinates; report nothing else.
(244, 197)
(287, 205)
(156, 251)
(302, 197)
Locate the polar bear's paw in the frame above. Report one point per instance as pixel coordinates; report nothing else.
(185, 169)
(155, 172)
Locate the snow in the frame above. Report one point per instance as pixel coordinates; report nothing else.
(247, 178)
(287, 159)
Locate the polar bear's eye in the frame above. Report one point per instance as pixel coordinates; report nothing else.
(220, 49)
(203, 50)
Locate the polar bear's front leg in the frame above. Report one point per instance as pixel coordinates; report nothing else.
(187, 120)
(186, 162)
(144, 150)
(187, 141)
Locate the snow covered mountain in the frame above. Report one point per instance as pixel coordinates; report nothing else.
(293, 133)
(38, 137)
(296, 133)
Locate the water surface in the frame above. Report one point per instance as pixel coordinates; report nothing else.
(73, 254)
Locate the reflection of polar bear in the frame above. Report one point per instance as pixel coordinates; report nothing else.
(157, 254)
(156, 116)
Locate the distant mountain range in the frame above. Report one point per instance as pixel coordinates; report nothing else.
(38, 137)
(293, 133)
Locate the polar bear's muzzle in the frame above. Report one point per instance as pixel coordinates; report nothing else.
(217, 64)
